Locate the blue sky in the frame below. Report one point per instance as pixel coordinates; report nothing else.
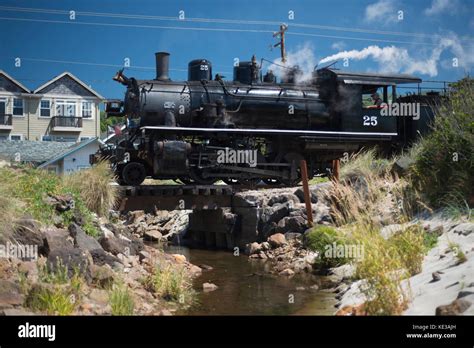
(431, 34)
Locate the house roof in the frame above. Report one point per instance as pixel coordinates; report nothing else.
(35, 152)
(14, 81)
(68, 74)
(68, 151)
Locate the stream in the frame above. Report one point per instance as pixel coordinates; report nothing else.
(246, 288)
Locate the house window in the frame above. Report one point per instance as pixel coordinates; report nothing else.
(66, 108)
(87, 109)
(46, 138)
(65, 139)
(45, 108)
(17, 107)
(16, 137)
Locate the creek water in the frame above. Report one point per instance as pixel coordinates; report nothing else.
(245, 287)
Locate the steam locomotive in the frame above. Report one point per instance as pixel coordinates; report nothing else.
(252, 128)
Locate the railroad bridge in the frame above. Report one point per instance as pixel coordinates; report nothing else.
(219, 218)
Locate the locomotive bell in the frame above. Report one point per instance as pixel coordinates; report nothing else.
(162, 66)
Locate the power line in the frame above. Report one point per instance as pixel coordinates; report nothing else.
(217, 20)
(209, 29)
(133, 67)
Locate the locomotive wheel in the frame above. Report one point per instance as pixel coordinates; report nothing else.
(133, 174)
(197, 176)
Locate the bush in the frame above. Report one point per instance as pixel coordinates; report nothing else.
(410, 247)
(121, 300)
(170, 282)
(58, 293)
(319, 239)
(444, 165)
(93, 186)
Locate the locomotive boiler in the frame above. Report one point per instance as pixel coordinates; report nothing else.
(206, 128)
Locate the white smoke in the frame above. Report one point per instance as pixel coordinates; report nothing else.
(392, 59)
(303, 57)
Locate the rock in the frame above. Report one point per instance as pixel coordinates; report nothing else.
(287, 272)
(165, 312)
(283, 198)
(277, 240)
(179, 258)
(436, 276)
(402, 165)
(296, 224)
(99, 296)
(61, 203)
(107, 233)
(55, 239)
(103, 276)
(142, 255)
(100, 257)
(276, 213)
(456, 307)
(300, 288)
(82, 240)
(464, 228)
(16, 312)
(195, 271)
(300, 194)
(206, 267)
(27, 232)
(265, 246)
(113, 245)
(293, 236)
(30, 269)
(10, 294)
(207, 287)
(136, 216)
(262, 255)
(152, 235)
(388, 231)
(252, 248)
(73, 259)
(314, 287)
(311, 258)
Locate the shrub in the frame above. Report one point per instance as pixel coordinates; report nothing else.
(121, 301)
(93, 186)
(170, 282)
(58, 293)
(444, 165)
(410, 247)
(319, 239)
(381, 270)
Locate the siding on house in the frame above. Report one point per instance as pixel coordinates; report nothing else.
(33, 126)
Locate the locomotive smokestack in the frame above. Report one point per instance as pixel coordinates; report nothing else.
(162, 66)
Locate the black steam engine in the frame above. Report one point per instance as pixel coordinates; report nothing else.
(252, 128)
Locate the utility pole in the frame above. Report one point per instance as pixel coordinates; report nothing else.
(281, 35)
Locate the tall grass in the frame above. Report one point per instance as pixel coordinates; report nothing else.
(121, 301)
(171, 283)
(93, 186)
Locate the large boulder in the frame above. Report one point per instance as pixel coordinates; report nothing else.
(72, 259)
(296, 224)
(27, 232)
(56, 239)
(275, 213)
(277, 240)
(283, 198)
(82, 240)
(300, 194)
(464, 228)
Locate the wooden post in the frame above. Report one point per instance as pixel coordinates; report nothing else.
(307, 198)
(335, 170)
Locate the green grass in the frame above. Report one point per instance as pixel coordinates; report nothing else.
(121, 300)
(171, 283)
(409, 244)
(58, 293)
(458, 253)
(319, 239)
